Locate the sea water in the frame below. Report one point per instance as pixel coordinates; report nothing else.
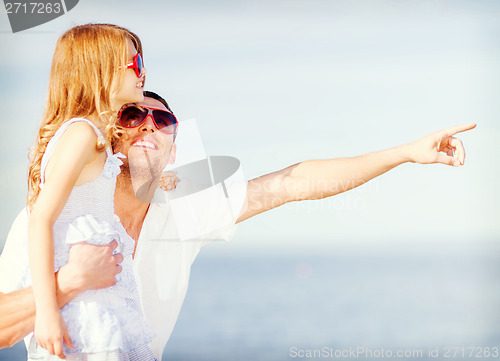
(385, 303)
(417, 302)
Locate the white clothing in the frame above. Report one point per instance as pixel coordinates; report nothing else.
(162, 262)
(106, 321)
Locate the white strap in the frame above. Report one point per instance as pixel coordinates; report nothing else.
(55, 138)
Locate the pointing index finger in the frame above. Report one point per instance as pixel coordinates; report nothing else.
(459, 128)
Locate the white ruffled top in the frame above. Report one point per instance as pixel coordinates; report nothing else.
(108, 319)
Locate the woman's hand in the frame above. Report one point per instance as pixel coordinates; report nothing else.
(440, 147)
(51, 331)
(168, 180)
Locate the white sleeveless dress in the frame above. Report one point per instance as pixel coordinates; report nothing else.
(105, 324)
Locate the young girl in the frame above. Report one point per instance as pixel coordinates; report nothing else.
(96, 69)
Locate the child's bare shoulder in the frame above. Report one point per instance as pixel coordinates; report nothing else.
(79, 135)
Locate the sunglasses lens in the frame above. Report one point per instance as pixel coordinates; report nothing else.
(132, 117)
(165, 121)
(139, 65)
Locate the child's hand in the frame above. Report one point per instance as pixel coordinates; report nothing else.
(50, 332)
(168, 180)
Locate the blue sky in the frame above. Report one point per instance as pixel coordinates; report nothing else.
(276, 82)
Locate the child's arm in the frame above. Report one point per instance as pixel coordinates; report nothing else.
(89, 267)
(74, 155)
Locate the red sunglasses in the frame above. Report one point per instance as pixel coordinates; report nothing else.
(137, 65)
(133, 116)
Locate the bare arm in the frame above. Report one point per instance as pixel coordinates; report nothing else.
(18, 316)
(18, 311)
(89, 267)
(316, 179)
(75, 156)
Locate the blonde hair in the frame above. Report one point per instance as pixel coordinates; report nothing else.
(87, 70)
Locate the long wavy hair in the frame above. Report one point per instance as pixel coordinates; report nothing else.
(86, 73)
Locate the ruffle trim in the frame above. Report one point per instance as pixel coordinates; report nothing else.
(96, 328)
(112, 165)
(88, 228)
